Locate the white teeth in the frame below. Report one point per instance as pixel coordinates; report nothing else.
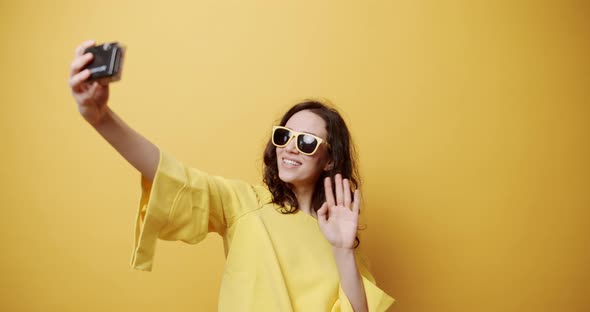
(291, 162)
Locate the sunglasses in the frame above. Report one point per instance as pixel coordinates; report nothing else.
(305, 143)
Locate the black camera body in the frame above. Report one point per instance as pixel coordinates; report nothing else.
(107, 61)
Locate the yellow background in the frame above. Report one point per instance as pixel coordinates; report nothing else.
(471, 119)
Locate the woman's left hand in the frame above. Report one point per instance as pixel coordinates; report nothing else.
(338, 218)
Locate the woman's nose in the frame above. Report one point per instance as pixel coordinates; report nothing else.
(291, 148)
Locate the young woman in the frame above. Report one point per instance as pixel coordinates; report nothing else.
(290, 245)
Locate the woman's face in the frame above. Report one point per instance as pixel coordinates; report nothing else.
(303, 170)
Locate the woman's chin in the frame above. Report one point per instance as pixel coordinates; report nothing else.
(285, 177)
(290, 177)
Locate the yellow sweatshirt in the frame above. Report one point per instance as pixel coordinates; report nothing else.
(274, 261)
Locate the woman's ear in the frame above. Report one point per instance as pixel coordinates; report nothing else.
(329, 166)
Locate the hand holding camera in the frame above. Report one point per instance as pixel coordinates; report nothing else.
(91, 71)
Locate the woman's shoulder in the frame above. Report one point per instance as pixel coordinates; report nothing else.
(263, 194)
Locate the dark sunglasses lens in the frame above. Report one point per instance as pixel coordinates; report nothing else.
(306, 143)
(281, 136)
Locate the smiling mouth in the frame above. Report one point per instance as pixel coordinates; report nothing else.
(291, 162)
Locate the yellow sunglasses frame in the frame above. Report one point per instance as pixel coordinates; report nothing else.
(295, 134)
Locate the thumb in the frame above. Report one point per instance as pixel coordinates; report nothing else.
(103, 81)
(93, 87)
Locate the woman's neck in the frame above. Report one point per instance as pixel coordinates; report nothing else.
(304, 194)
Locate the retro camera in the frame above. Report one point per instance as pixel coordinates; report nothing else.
(107, 61)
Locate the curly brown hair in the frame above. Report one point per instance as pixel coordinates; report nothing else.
(341, 150)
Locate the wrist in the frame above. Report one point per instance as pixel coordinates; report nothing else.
(342, 251)
(107, 116)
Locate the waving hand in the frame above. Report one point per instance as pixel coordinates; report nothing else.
(338, 218)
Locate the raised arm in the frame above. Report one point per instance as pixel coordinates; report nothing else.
(92, 98)
(137, 150)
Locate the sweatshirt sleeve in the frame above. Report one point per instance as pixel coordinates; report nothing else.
(184, 204)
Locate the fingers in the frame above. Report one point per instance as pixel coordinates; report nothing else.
(342, 190)
(83, 46)
(78, 79)
(339, 189)
(81, 59)
(79, 63)
(347, 193)
(329, 192)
